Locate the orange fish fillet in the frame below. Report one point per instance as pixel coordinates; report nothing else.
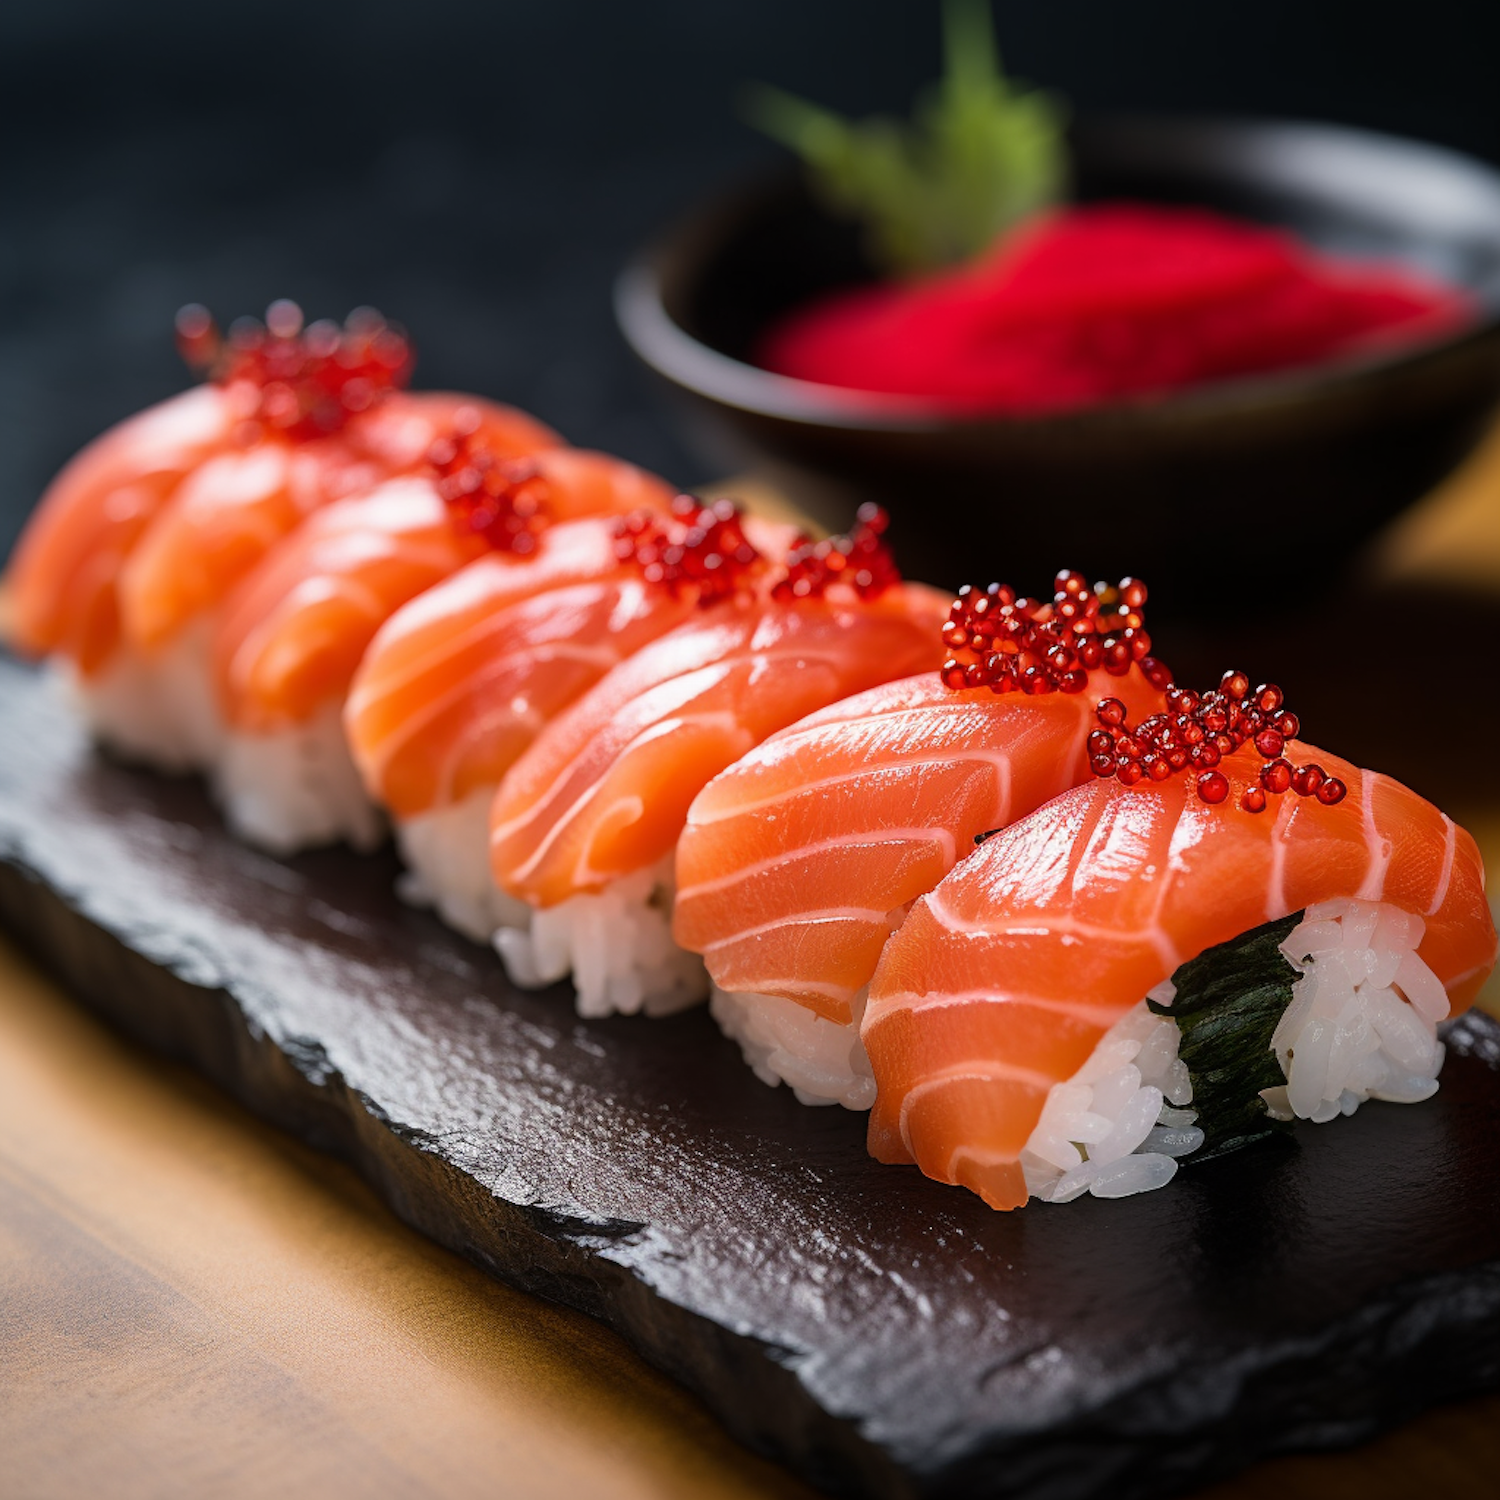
(797, 861)
(1004, 978)
(604, 791)
(232, 510)
(60, 585)
(296, 629)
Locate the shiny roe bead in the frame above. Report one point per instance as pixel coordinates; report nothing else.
(1331, 792)
(1276, 776)
(1213, 786)
(1269, 743)
(1307, 779)
(1253, 799)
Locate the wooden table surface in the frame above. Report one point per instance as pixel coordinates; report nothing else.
(192, 1304)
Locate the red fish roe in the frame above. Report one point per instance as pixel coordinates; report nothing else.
(1105, 302)
(1014, 644)
(298, 382)
(862, 560)
(504, 500)
(699, 549)
(1197, 731)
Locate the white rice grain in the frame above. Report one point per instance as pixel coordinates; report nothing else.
(616, 943)
(296, 788)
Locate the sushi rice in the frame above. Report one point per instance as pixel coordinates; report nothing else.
(154, 707)
(1361, 1025)
(617, 943)
(296, 788)
(447, 856)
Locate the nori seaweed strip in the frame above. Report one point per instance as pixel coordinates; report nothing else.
(1229, 1000)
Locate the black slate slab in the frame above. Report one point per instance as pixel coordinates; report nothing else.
(880, 1334)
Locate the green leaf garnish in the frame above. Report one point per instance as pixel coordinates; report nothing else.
(1228, 1003)
(981, 153)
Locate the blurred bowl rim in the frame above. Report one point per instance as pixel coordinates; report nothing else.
(1452, 187)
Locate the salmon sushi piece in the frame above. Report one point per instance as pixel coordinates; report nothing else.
(1327, 927)
(584, 827)
(457, 685)
(142, 534)
(154, 696)
(232, 510)
(60, 584)
(798, 861)
(293, 634)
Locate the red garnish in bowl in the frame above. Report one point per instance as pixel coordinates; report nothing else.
(298, 382)
(699, 549)
(1197, 731)
(507, 501)
(862, 559)
(1014, 644)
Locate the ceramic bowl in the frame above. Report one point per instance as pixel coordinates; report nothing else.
(1271, 482)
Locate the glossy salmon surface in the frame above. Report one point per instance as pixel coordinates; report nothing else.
(1005, 976)
(297, 628)
(799, 859)
(154, 522)
(605, 789)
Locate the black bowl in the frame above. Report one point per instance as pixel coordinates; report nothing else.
(1272, 482)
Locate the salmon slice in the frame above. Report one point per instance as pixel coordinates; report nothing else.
(605, 789)
(458, 682)
(60, 585)
(1004, 978)
(232, 510)
(797, 861)
(296, 629)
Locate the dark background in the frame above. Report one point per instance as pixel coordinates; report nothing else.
(480, 171)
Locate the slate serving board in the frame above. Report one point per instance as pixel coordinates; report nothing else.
(879, 1333)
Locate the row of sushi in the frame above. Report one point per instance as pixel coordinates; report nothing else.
(977, 865)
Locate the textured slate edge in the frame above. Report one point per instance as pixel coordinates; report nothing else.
(548, 1255)
(1433, 1340)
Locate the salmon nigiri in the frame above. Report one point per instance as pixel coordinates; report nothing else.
(234, 508)
(800, 859)
(457, 684)
(294, 632)
(271, 397)
(140, 537)
(584, 826)
(1012, 1050)
(60, 585)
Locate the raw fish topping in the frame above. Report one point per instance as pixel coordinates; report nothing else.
(504, 500)
(297, 382)
(1198, 731)
(1015, 644)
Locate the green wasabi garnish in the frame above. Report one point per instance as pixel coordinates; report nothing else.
(1229, 1000)
(981, 153)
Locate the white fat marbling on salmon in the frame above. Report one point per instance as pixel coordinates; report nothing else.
(1445, 877)
(1380, 849)
(991, 1072)
(1286, 807)
(861, 838)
